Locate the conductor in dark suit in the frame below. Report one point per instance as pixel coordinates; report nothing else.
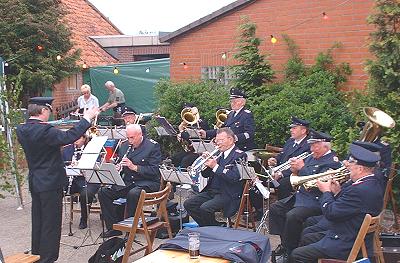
(42, 146)
(294, 146)
(287, 215)
(140, 162)
(224, 188)
(346, 211)
(240, 120)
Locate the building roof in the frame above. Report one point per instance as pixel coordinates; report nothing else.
(207, 19)
(85, 20)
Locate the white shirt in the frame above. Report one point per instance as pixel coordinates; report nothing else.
(225, 155)
(88, 104)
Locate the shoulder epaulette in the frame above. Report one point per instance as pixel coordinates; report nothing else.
(238, 151)
(152, 141)
(247, 111)
(385, 143)
(67, 145)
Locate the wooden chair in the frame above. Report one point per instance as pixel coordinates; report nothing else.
(149, 230)
(369, 225)
(245, 204)
(21, 258)
(389, 196)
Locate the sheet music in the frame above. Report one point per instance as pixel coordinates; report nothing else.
(95, 145)
(72, 171)
(161, 131)
(166, 125)
(175, 175)
(202, 146)
(246, 172)
(192, 133)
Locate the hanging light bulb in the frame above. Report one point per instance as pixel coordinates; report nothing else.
(58, 57)
(6, 64)
(116, 71)
(223, 55)
(273, 39)
(147, 70)
(39, 48)
(325, 16)
(84, 65)
(185, 66)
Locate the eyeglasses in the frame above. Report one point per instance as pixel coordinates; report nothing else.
(83, 93)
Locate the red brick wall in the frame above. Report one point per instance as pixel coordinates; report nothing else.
(67, 91)
(346, 24)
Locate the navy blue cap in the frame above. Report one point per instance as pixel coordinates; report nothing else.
(188, 105)
(42, 101)
(126, 110)
(316, 136)
(370, 146)
(299, 122)
(236, 93)
(363, 156)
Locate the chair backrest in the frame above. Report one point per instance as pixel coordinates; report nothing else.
(388, 189)
(369, 225)
(149, 199)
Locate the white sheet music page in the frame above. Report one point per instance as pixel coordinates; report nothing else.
(95, 145)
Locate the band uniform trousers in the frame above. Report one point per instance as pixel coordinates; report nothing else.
(287, 221)
(85, 190)
(203, 206)
(46, 224)
(112, 213)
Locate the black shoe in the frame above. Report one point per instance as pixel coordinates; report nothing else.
(111, 233)
(82, 224)
(284, 258)
(280, 250)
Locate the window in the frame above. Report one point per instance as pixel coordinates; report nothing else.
(219, 74)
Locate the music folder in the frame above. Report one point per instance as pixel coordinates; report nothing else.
(248, 173)
(168, 128)
(105, 174)
(175, 175)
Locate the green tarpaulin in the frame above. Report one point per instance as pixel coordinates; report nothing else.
(135, 79)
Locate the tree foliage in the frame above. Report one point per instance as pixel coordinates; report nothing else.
(253, 70)
(32, 36)
(384, 69)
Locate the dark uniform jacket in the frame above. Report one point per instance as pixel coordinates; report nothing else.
(243, 126)
(346, 215)
(226, 179)
(148, 157)
(41, 143)
(310, 198)
(289, 152)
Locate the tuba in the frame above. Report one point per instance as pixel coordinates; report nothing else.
(310, 181)
(190, 115)
(221, 115)
(377, 120)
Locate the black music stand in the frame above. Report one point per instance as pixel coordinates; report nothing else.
(179, 176)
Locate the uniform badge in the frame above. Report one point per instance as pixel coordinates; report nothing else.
(336, 159)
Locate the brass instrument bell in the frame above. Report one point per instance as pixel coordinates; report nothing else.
(190, 115)
(377, 120)
(221, 115)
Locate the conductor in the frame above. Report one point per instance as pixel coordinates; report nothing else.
(42, 143)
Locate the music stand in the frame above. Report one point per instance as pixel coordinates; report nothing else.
(201, 146)
(88, 162)
(179, 176)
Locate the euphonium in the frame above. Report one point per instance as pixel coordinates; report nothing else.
(377, 120)
(190, 115)
(310, 181)
(221, 115)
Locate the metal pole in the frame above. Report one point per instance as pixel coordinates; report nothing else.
(4, 117)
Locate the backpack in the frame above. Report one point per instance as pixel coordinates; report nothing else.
(111, 251)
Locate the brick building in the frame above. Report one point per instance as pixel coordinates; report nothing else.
(84, 20)
(196, 50)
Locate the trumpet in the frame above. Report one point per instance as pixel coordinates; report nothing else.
(310, 181)
(286, 165)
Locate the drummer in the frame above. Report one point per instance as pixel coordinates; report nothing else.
(294, 146)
